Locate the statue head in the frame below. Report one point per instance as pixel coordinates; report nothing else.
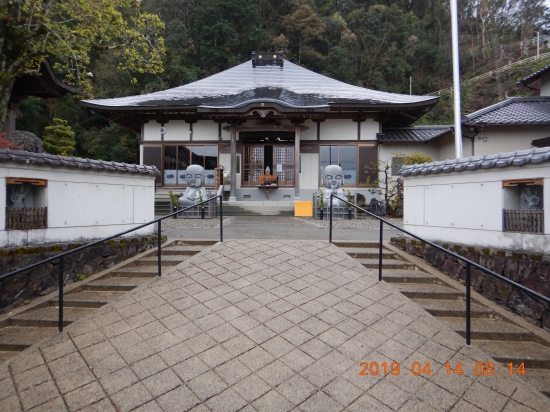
(194, 175)
(333, 176)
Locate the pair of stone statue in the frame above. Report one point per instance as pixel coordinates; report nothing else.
(195, 177)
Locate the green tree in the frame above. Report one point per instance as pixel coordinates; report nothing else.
(59, 138)
(70, 31)
(304, 28)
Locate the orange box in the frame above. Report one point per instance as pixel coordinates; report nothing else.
(303, 208)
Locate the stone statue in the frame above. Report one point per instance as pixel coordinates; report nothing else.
(194, 175)
(267, 170)
(530, 198)
(333, 176)
(19, 196)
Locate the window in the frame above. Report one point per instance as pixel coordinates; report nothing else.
(523, 203)
(177, 158)
(353, 159)
(26, 204)
(343, 156)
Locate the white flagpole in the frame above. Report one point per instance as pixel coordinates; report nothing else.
(456, 79)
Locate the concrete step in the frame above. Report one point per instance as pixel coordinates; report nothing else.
(87, 299)
(368, 253)
(193, 242)
(48, 316)
(167, 260)
(453, 308)
(16, 338)
(532, 354)
(181, 250)
(115, 284)
(427, 291)
(354, 243)
(142, 271)
(408, 276)
(488, 329)
(386, 264)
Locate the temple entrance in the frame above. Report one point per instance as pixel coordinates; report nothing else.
(273, 150)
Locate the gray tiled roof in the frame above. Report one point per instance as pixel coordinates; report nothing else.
(517, 158)
(514, 110)
(19, 156)
(291, 86)
(533, 77)
(413, 133)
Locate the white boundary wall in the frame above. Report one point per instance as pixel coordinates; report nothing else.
(466, 207)
(82, 204)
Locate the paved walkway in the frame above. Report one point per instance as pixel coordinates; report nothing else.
(264, 325)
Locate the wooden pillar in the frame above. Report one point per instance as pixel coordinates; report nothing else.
(297, 161)
(233, 178)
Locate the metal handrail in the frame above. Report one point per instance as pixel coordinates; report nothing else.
(468, 262)
(60, 256)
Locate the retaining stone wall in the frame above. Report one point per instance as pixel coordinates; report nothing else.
(529, 270)
(42, 280)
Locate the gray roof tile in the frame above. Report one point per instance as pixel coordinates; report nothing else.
(413, 133)
(517, 158)
(514, 110)
(291, 86)
(19, 156)
(533, 77)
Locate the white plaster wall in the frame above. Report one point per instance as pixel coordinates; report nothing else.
(206, 130)
(309, 177)
(82, 204)
(176, 130)
(339, 129)
(502, 139)
(151, 132)
(466, 207)
(387, 150)
(369, 128)
(545, 84)
(311, 133)
(447, 147)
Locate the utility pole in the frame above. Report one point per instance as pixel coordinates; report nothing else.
(456, 79)
(538, 44)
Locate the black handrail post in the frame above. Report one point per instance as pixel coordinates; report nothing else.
(221, 219)
(330, 224)
(158, 248)
(380, 251)
(61, 294)
(468, 283)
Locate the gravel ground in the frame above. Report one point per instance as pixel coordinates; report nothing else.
(182, 223)
(366, 223)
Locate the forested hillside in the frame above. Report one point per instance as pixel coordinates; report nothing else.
(376, 44)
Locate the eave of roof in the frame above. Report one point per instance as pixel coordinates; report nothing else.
(513, 110)
(290, 87)
(45, 159)
(534, 77)
(413, 133)
(45, 84)
(517, 158)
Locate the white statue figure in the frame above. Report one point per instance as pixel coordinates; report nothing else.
(530, 198)
(19, 196)
(267, 170)
(333, 176)
(194, 175)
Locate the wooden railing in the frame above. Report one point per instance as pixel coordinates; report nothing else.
(526, 221)
(24, 218)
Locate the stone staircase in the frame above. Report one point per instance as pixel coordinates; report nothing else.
(30, 325)
(504, 336)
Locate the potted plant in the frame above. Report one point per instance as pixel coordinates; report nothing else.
(174, 202)
(321, 203)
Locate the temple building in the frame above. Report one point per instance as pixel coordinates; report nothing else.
(265, 114)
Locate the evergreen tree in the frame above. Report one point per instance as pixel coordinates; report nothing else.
(59, 138)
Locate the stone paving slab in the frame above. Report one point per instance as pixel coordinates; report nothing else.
(260, 325)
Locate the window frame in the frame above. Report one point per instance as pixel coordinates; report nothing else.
(189, 146)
